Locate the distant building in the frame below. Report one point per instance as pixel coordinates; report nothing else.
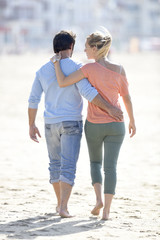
(33, 23)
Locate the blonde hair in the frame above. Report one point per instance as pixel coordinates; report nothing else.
(102, 41)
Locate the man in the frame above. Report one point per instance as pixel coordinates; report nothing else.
(63, 119)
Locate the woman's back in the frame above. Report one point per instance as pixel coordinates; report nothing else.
(113, 67)
(110, 81)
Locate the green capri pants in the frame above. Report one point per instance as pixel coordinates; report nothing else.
(110, 135)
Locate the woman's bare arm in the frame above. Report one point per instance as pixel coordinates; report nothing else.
(64, 81)
(76, 76)
(128, 105)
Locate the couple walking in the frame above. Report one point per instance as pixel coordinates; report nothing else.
(63, 81)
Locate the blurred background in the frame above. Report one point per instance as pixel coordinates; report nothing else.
(30, 25)
(27, 28)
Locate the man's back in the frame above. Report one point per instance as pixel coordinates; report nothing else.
(61, 104)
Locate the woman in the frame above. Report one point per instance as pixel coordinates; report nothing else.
(101, 129)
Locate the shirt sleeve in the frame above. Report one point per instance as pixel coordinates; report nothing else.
(123, 85)
(85, 88)
(36, 93)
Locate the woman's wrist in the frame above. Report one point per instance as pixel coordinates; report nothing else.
(132, 120)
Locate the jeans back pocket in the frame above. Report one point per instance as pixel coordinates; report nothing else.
(72, 127)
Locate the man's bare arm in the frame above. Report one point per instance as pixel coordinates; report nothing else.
(114, 112)
(33, 130)
(76, 76)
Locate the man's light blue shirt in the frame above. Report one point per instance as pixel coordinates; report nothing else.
(61, 104)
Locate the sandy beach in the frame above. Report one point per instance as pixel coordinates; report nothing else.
(27, 201)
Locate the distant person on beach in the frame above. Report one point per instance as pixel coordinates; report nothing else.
(63, 118)
(101, 129)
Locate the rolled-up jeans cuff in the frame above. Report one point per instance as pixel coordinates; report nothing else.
(63, 179)
(53, 181)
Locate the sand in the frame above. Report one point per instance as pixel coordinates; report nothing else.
(27, 202)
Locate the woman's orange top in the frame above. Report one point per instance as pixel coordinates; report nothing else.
(110, 85)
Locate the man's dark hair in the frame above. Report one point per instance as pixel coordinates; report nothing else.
(63, 41)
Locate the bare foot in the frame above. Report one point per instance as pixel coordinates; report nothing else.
(105, 215)
(64, 214)
(97, 208)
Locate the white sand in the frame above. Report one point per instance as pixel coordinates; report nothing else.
(26, 198)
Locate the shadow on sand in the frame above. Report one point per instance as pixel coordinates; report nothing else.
(47, 225)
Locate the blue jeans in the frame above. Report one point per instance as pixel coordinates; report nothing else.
(63, 143)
